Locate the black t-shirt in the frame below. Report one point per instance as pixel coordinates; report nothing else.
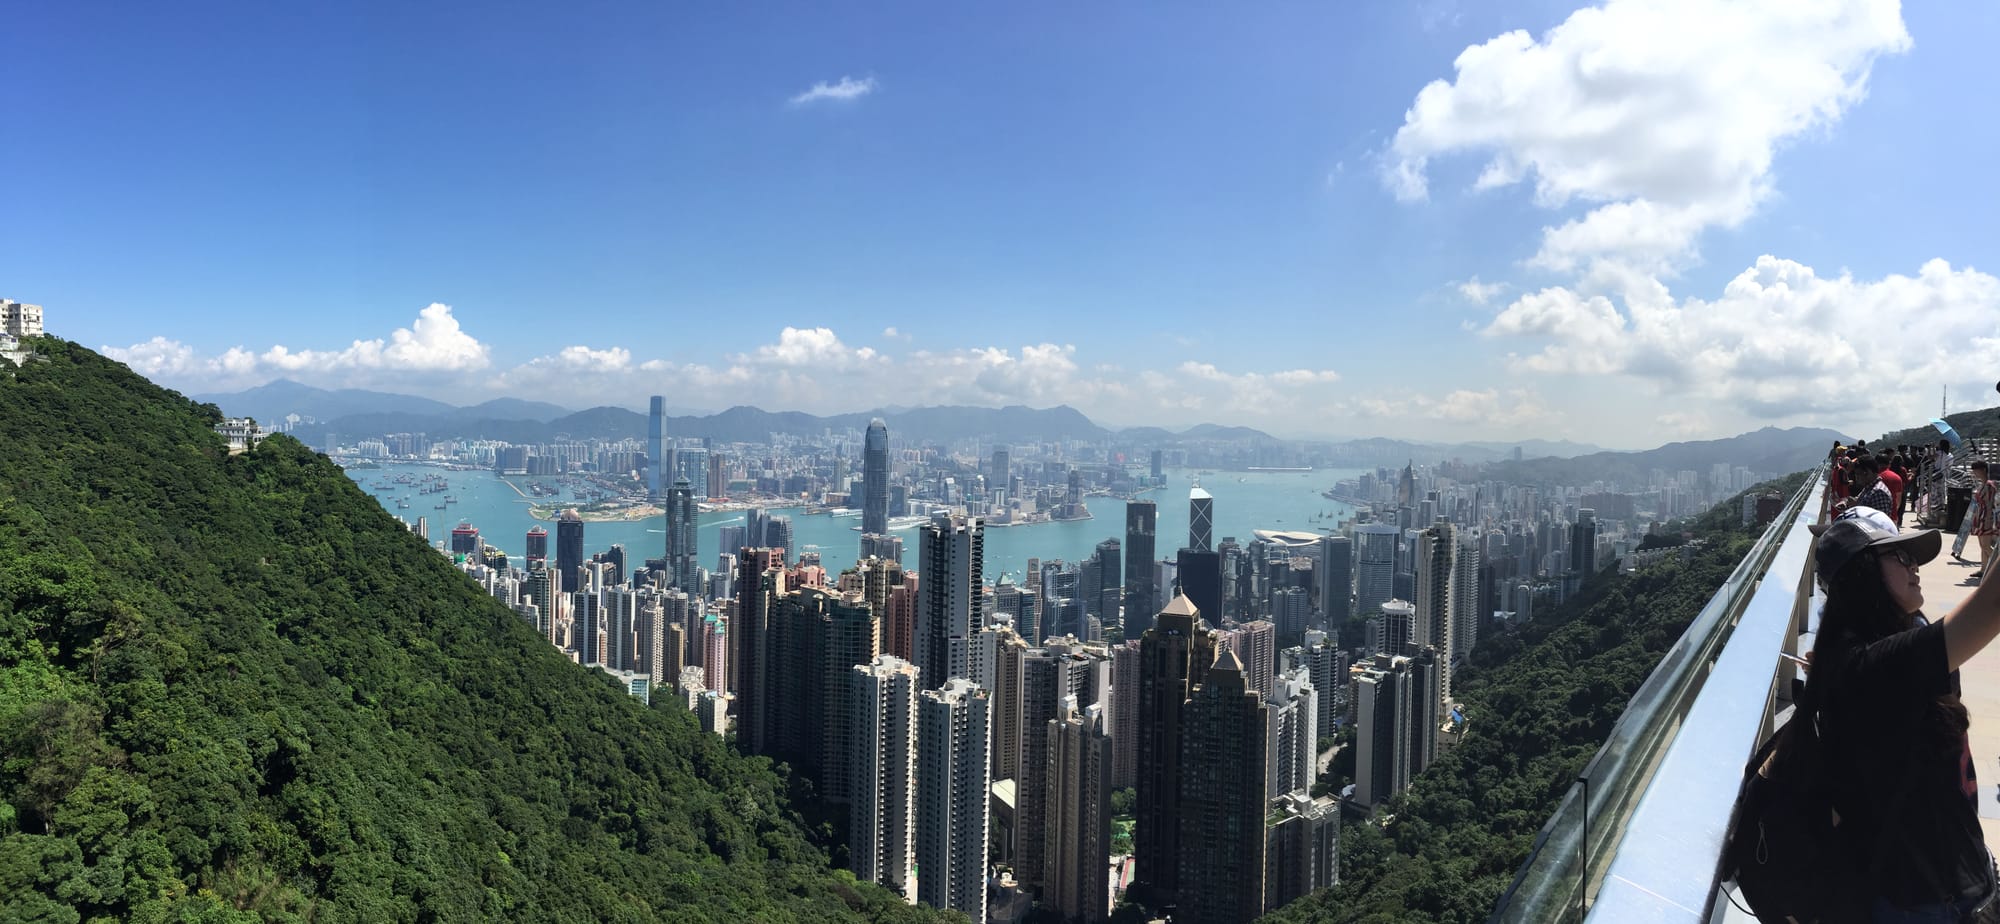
(1890, 735)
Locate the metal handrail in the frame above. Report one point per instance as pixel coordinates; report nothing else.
(1569, 855)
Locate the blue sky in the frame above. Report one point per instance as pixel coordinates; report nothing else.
(1695, 219)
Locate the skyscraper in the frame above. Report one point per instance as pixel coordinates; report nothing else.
(1201, 519)
(1078, 830)
(1375, 567)
(952, 783)
(875, 479)
(538, 545)
(760, 578)
(1467, 608)
(681, 569)
(1110, 583)
(1200, 576)
(1336, 575)
(853, 636)
(949, 555)
(1396, 718)
(1583, 543)
(1294, 712)
(1123, 722)
(1222, 785)
(657, 463)
(882, 819)
(1141, 597)
(1045, 679)
(569, 549)
(1173, 657)
(1436, 569)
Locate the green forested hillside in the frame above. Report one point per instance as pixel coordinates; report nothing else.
(233, 688)
(1541, 700)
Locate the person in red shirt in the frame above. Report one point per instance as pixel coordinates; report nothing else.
(1894, 482)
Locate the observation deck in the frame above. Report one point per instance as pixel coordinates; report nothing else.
(1638, 837)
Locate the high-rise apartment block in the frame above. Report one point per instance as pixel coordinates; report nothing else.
(950, 610)
(681, 568)
(881, 839)
(1078, 828)
(952, 783)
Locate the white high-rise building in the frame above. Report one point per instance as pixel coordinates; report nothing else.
(882, 821)
(1294, 733)
(952, 781)
(1436, 572)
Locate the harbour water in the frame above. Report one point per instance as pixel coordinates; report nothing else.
(1243, 501)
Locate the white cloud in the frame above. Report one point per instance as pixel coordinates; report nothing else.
(1661, 114)
(433, 344)
(1479, 293)
(816, 347)
(1487, 407)
(1781, 343)
(891, 333)
(156, 358)
(847, 89)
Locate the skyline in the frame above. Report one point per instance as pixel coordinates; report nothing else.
(1612, 225)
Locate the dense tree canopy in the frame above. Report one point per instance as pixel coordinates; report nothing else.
(232, 688)
(1542, 698)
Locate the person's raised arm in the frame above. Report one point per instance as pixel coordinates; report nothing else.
(1970, 627)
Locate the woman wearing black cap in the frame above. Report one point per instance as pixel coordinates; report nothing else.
(1888, 681)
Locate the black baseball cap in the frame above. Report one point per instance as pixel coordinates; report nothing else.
(1861, 528)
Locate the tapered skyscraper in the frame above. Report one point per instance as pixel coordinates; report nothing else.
(657, 463)
(875, 479)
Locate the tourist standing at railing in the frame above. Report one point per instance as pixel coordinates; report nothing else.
(1892, 478)
(1870, 490)
(1986, 522)
(1940, 482)
(1888, 681)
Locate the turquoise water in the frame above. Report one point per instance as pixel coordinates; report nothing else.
(1243, 501)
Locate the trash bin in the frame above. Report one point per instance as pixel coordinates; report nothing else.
(1957, 499)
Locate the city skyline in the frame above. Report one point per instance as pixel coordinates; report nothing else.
(1682, 219)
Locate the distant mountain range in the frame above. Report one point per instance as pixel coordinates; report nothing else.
(353, 412)
(271, 403)
(1767, 451)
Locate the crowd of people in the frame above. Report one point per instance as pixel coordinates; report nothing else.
(1913, 484)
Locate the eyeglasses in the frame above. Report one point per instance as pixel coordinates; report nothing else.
(1903, 558)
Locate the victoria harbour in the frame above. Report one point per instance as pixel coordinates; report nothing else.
(1244, 501)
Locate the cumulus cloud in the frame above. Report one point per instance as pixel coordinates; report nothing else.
(1780, 342)
(1662, 115)
(845, 90)
(433, 344)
